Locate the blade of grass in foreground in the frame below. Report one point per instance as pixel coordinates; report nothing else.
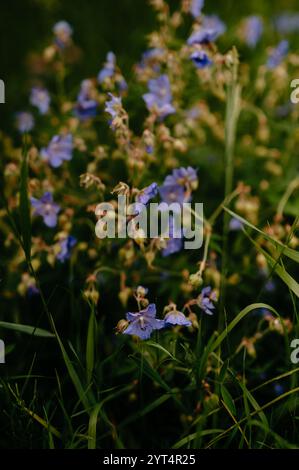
(29, 330)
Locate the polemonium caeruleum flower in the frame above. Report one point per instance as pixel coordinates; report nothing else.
(172, 193)
(159, 98)
(210, 30)
(174, 317)
(235, 224)
(173, 244)
(287, 23)
(196, 7)
(205, 300)
(253, 30)
(147, 193)
(40, 98)
(46, 208)
(113, 105)
(183, 176)
(86, 106)
(143, 323)
(24, 122)
(66, 245)
(109, 68)
(59, 149)
(177, 186)
(200, 59)
(278, 54)
(63, 33)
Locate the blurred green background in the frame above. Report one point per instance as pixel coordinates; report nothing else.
(99, 26)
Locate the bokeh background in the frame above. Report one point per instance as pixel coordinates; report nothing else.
(99, 26)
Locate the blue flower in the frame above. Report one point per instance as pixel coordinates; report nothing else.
(235, 224)
(59, 149)
(66, 245)
(40, 98)
(183, 176)
(253, 30)
(143, 323)
(173, 244)
(46, 207)
(63, 32)
(109, 68)
(172, 193)
(86, 106)
(200, 59)
(287, 23)
(174, 317)
(196, 7)
(24, 121)
(205, 300)
(278, 54)
(159, 97)
(147, 193)
(210, 30)
(177, 186)
(113, 106)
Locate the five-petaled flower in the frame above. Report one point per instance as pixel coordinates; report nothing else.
(159, 97)
(59, 149)
(143, 323)
(46, 208)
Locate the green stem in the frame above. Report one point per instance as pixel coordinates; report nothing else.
(231, 119)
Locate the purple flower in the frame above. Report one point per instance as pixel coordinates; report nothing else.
(113, 106)
(200, 59)
(159, 97)
(174, 317)
(40, 98)
(196, 7)
(278, 54)
(46, 207)
(86, 106)
(143, 323)
(253, 30)
(109, 68)
(183, 176)
(287, 23)
(147, 193)
(235, 224)
(66, 245)
(174, 244)
(210, 30)
(59, 149)
(205, 300)
(63, 32)
(172, 193)
(24, 121)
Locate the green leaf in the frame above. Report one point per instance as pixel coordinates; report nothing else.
(280, 271)
(72, 373)
(228, 400)
(285, 250)
(29, 330)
